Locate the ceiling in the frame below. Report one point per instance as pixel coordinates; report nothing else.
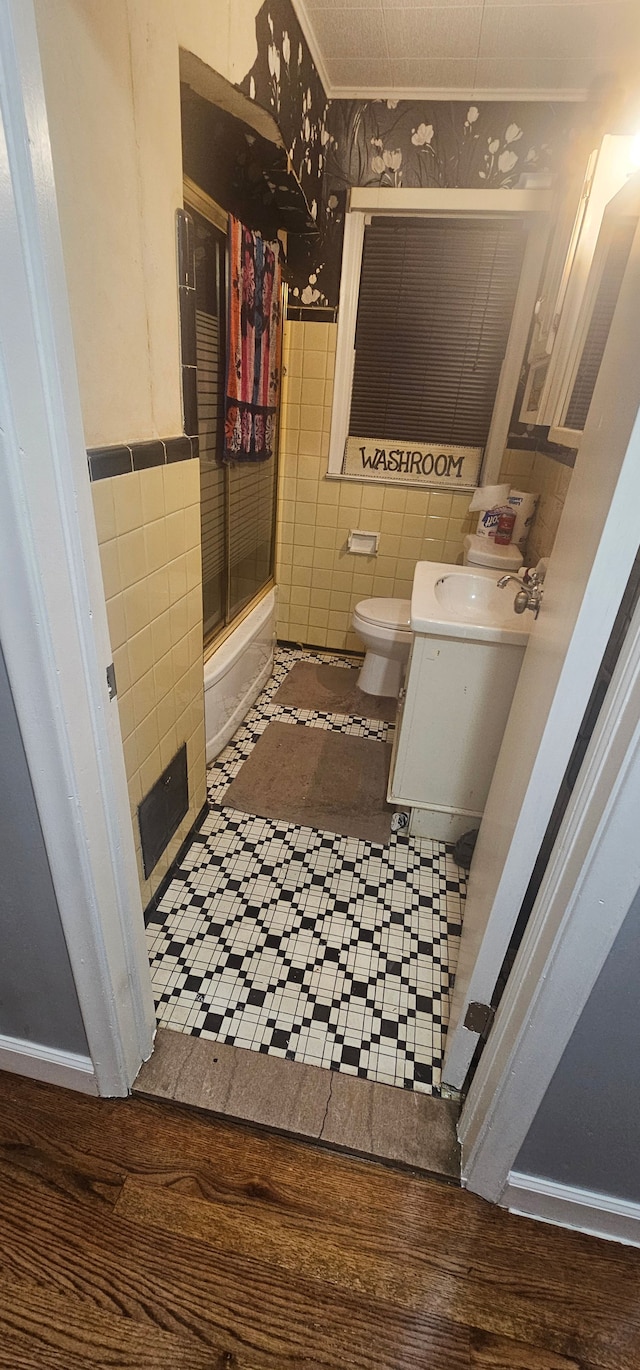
(459, 49)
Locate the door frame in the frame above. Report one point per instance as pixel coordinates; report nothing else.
(577, 915)
(53, 622)
(595, 548)
(55, 636)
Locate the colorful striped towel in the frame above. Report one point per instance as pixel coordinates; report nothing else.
(254, 321)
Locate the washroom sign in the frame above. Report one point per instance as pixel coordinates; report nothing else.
(412, 463)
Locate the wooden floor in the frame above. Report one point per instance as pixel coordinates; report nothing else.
(136, 1234)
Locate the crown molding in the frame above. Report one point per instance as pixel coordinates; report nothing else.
(309, 36)
(453, 93)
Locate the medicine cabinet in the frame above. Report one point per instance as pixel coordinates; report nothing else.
(568, 296)
(613, 249)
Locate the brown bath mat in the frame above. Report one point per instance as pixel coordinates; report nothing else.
(332, 690)
(317, 778)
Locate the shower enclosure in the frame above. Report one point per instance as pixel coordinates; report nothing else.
(238, 502)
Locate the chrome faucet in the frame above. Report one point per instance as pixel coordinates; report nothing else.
(529, 595)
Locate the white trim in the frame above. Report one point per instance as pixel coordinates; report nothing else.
(345, 344)
(626, 202)
(54, 1067)
(196, 198)
(568, 266)
(585, 1210)
(385, 481)
(449, 92)
(575, 920)
(516, 345)
(308, 33)
(53, 624)
(446, 202)
(366, 200)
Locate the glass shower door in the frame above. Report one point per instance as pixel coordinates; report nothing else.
(210, 294)
(238, 502)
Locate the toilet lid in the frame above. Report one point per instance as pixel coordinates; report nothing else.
(388, 613)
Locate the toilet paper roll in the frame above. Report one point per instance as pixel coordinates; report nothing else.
(524, 505)
(488, 496)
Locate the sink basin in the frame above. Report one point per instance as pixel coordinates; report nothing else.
(465, 602)
(474, 596)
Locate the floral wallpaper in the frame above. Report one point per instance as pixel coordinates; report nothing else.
(284, 80)
(444, 143)
(342, 143)
(420, 143)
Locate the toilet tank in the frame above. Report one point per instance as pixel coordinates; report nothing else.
(483, 551)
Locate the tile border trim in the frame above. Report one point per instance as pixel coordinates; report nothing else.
(123, 458)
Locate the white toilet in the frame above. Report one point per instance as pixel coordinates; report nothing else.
(384, 627)
(481, 551)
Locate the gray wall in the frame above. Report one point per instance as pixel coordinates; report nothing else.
(587, 1129)
(38, 999)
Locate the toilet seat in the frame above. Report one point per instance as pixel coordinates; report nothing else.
(386, 613)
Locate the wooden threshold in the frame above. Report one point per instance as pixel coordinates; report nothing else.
(379, 1122)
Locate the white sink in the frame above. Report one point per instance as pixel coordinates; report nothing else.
(460, 601)
(473, 596)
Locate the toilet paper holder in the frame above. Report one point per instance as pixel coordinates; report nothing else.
(363, 544)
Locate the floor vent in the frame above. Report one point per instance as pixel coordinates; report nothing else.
(163, 809)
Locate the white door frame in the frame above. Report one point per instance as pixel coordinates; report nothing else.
(53, 625)
(598, 530)
(589, 885)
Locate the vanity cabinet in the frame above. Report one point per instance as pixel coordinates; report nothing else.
(453, 712)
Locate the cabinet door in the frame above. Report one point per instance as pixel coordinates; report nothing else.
(598, 308)
(458, 698)
(567, 275)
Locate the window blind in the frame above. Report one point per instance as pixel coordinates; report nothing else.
(209, 382)
(252, 495)
(601, 318)
(212, 482)
(434, 314)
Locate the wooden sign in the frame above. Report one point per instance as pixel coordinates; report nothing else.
(416, 463)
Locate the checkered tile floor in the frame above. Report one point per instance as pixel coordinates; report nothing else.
(303, 944)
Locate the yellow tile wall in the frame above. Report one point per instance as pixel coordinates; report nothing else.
(536, 472)
(148, 526)
(319, 581)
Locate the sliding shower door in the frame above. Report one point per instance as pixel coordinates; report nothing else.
(238, 502)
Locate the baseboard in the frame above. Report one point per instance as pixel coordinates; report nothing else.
(54, 1067)
(586, 1210)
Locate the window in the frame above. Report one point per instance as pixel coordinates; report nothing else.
(435, 308)
(434, 313)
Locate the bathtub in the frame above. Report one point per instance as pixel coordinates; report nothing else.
(235, 673)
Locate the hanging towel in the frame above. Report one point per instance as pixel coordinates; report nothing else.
(253, 345)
